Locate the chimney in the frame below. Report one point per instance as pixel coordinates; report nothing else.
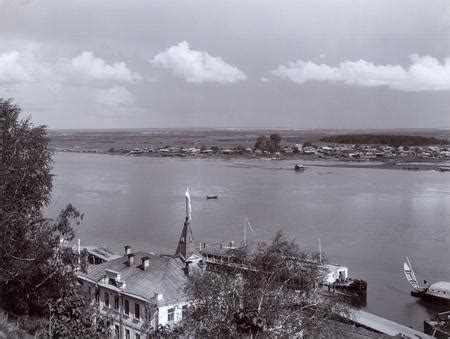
(127, 249)
(131, 259)
(145, 263)
(158, 296)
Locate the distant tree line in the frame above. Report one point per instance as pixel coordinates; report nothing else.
(384, 139)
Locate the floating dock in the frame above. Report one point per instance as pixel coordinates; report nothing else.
(385, 326)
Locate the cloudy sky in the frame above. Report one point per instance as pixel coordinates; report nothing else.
(228, 63)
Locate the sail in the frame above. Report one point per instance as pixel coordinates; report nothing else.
(188, 205)
(410, 276)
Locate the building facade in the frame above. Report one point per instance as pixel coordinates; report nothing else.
(139, 291)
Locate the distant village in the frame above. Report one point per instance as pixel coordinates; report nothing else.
(302, 150)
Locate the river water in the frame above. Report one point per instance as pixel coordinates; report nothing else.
(367, 219)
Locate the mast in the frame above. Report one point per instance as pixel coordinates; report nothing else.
(245, 231)
(247, 223)
(320, 252)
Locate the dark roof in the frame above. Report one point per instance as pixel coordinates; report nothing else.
(186, 246)
(165, 275)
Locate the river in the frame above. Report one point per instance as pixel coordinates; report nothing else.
(367, 219)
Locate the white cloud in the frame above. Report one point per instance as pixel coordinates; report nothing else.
(20, 67)
(116, 96)
(25, 66)
(264, 79)
(424, 74)
(197, 66)
(92, 68)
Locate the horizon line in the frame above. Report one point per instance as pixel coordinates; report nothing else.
(248, 128)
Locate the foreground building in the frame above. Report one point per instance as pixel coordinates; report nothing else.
(140, 290)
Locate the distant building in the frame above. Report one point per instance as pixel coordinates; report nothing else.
(98, 255)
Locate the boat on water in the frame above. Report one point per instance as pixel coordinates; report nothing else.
(211, 197)
(299, 168)
(438, 292)
(337, 278)
(444, 169)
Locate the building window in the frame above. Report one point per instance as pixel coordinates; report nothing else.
(137, 313)
(127, 307)
(137, 336)
(116, 302)
(106, 299)
(171, 314)
(127, 333)
(117, 331)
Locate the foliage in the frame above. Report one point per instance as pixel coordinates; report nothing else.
(385, 139)
(271, 144)
(273, 291)
(73, 314)
(37, 263)
(166, 331)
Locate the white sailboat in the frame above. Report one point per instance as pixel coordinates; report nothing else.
(437, 292)
(410, 275)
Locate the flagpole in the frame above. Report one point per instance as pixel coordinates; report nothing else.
(245, 231)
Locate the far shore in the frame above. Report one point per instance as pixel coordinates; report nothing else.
(412, 165)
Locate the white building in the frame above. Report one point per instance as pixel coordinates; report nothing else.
(140, 290)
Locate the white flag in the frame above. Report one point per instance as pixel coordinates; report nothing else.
(188, 205)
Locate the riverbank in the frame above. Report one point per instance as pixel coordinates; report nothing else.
(307, 160)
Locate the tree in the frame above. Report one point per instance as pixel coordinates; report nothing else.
(37, 263)
(272, 291)
(271, 144)
(261, 143)
(275, 139)
(76, 305)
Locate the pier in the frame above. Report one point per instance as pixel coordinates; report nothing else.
(385, 326)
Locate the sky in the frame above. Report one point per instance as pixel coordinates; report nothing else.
(348, 64)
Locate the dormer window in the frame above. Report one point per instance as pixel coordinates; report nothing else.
(112, 278)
